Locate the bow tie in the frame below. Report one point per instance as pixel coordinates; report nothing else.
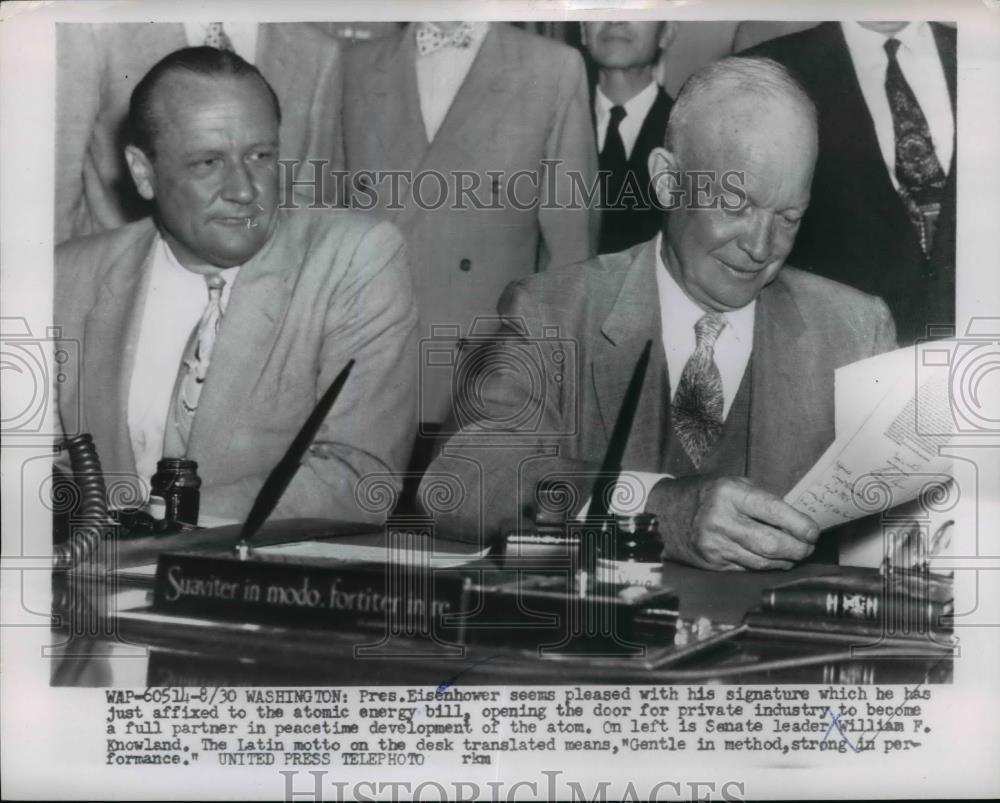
(431, 38)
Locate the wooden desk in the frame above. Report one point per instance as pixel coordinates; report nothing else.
(202, 652)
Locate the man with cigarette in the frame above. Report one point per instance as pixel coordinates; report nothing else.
(737, 401)
(211, 330)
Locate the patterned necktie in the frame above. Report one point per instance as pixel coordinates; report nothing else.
(216, 37)
(431, 38)
(698, 402)
(918, 171)
(193, 370)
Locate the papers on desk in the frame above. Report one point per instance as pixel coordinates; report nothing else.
(349, 553)
(354, 553)
(893, 415)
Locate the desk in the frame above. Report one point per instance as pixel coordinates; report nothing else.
(201, 652)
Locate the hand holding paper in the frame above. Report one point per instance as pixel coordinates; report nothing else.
(881, 456)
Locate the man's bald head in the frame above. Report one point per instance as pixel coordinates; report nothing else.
(747, 128)
(735, 96)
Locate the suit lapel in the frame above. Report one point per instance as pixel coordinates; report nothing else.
(110, 340)
(948, 53)
(850, 121)
(633, 319)
(650, 133)
(251, 324)
(479, 104)
(784, 388)
(395, 103)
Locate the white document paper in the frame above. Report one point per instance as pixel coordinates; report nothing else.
(891, 421)
(349, 553)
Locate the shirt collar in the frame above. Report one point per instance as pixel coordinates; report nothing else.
(636, 107)
(683, 313)
(174, 267)
(868, 47)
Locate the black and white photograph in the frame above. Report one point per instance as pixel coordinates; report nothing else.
(563, 401)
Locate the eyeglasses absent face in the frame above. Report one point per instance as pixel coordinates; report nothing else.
(214, 172)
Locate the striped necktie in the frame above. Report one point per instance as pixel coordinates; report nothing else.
(698, 402)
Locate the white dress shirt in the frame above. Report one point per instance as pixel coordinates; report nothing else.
(174, 302)
(636, 109)
(921, 66)
(243, 35)
(440, 75)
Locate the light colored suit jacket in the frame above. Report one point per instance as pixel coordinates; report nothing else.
(100, 64)
(523, 101)
(600, 315)
(328, 286)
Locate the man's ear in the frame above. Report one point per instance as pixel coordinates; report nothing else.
(141, 168)
(669, 32)
(665, 178)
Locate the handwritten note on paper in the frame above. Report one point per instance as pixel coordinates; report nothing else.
(880, 457)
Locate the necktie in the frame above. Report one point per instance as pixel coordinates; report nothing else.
(612, 157)
(216, 37)
(193, 371)
(698, 402)
(921, 179)
(431, 38)
(613, 161)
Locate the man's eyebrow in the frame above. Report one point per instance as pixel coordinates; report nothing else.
(199, 152)
(215, 150)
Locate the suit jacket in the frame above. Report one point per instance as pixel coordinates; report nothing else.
(600, 315)
(523, 101)
(623, 227)
(856, 229)
(328, 286)
(100, 64)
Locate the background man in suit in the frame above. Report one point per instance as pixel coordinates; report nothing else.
(487, 100)
(882, 216)
(738, 398)
(99, 65)
(630, 118)
(212, 331)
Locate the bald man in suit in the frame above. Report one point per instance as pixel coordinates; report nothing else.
(737, 401)
(489, 100)
(98, 66)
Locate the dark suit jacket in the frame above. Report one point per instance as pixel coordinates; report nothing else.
(856, 229)
(100, 64)
(329, 285)
(523, 101)
(599, 315)
(622, 228)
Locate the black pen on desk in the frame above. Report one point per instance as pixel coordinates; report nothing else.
(610, 468)
(281, 475)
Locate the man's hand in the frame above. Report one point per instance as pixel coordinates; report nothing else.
(729, 523)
